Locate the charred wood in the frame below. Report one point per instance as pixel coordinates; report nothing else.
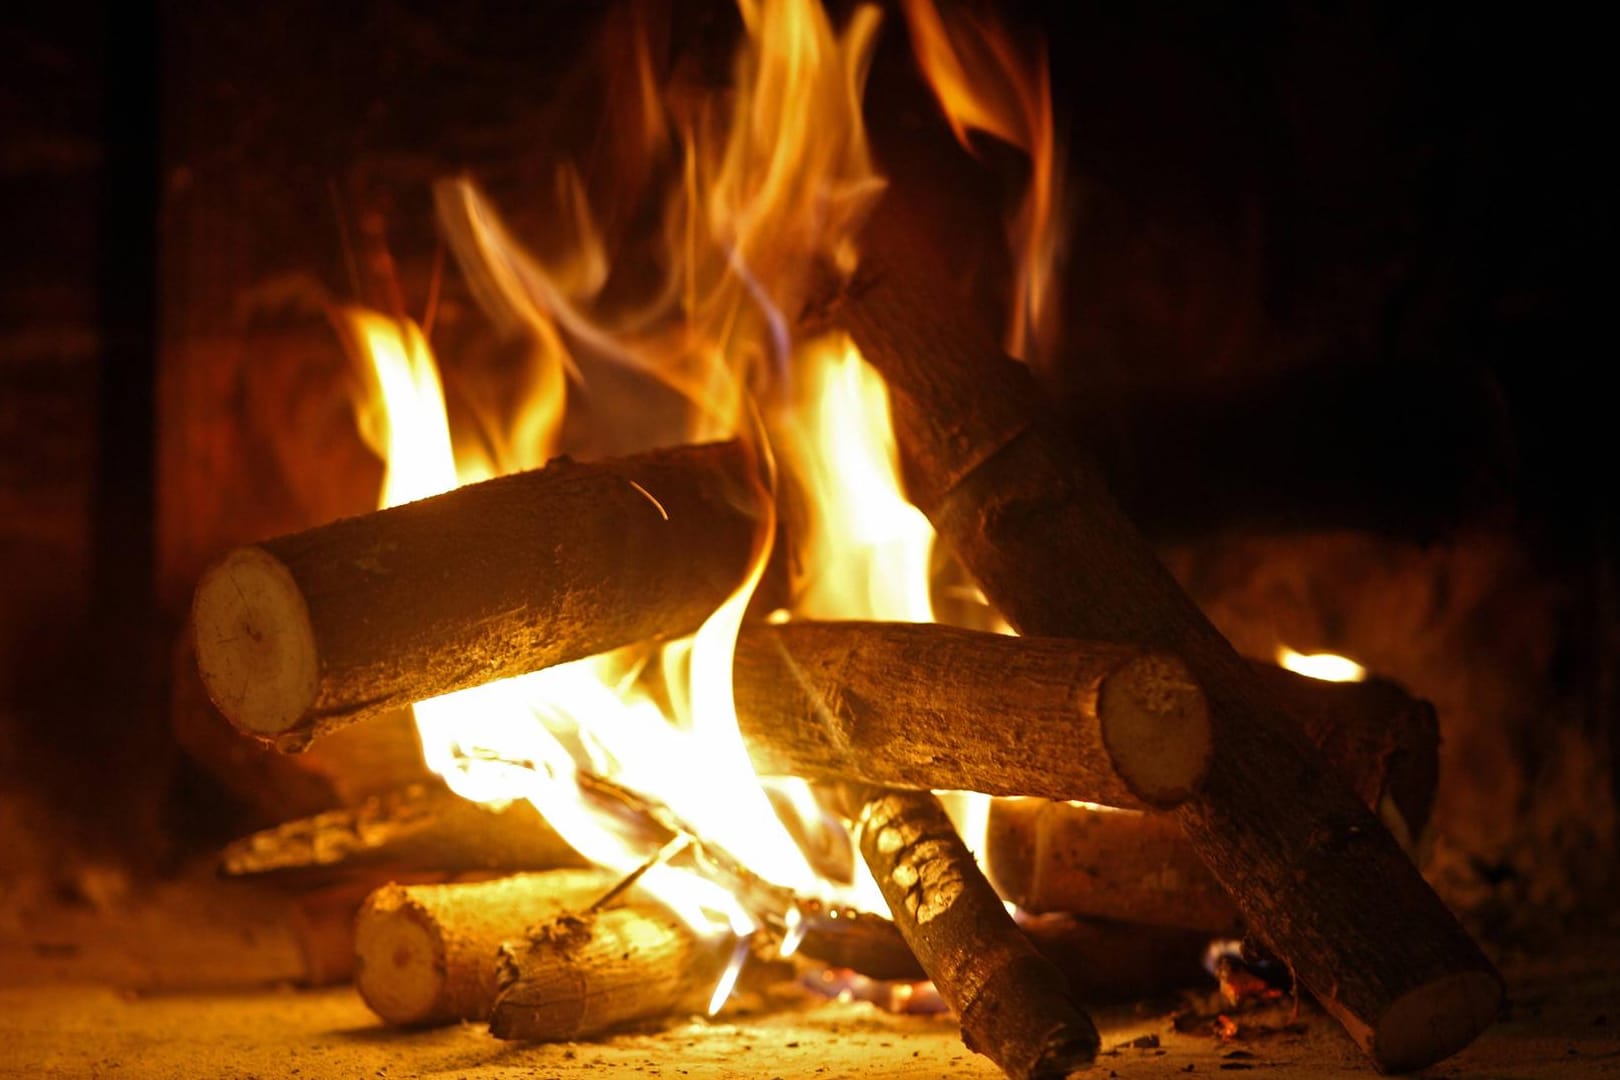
(1314, 873)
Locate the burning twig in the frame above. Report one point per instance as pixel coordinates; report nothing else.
(1013, 1005)
(1314, 873)
(318, 629)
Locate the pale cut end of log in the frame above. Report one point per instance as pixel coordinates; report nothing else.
(402, 975)
(1155, 723)
(1428, 1024)
(256, 647)
(425, 954)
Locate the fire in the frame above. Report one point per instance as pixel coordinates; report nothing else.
(984, 82)
(1329, 667)
(772, 178)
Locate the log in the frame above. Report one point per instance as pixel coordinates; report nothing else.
(1316, 876)
(1100, 862)
(425, 954)
(1103, 962)
(582, 975)
(1014, 1007)
(1381, 740)
(420, 829)
(928, 706)
(1103, 863)
(306, 633)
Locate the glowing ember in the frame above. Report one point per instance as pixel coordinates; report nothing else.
(1329, 667)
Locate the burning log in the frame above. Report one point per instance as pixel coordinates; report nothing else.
(583, 975)
(1315, 875)
(420, 829)
(425, 954)
(1014, 1006)
(1051, 856)
(914, 706)
(312, 631)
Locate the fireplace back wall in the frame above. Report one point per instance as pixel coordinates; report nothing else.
(1324, 325)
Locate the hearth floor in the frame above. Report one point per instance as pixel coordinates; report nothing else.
(1567, 1029)
(63, 1014)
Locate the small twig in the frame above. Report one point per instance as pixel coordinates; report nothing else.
(674, 847)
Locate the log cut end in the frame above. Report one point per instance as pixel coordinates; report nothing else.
(1433, 1022)
(1155, 724)
(400, 968)
(255, 642)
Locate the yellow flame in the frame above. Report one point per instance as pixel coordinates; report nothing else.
(985, 82)
(863, 550)
(773, 176)
(1329, 667)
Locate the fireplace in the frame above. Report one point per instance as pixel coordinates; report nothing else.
(1305, 286)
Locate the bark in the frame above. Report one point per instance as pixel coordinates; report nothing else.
(582, 975)
(309, 632)
(1315, 874)
(421, 829)
(914, 706)
(1101, 862)
(426, 954)
(1014, 1007)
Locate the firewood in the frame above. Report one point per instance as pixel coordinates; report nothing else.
(1381, 740)
(420, 829)
(914, 706)
(1105, 863)
(581, 975)
(425, 954)
(1014, 1007)
(1097, 861)
(1316, 876)
(308, 632)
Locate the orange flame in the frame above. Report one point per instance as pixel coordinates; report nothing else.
(774, 176)
(984, 82)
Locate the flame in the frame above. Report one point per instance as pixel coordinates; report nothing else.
(984, 82)
(766, 181)
(1329, 667)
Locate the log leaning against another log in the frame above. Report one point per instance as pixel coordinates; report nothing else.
(308, 632)
(1105, 863)
(1316, 876)
(923, 707)
(1013, 1005)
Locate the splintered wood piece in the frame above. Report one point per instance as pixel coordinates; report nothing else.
(1014, 1006)
(914, 706)
(308, 632)
(581, 975)
(1316, 876)
(1097, 861)
(425, 954)
(420, 829)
